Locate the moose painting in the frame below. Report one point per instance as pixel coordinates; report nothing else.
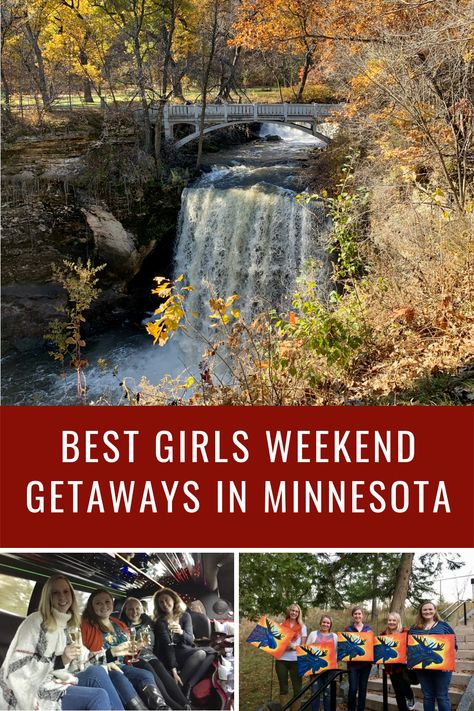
(316, 658)
(431, 651)
(390, 648)
(268, 636)
(355, 646)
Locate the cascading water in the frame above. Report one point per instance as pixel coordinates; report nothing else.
(242, 230)
(253, 241)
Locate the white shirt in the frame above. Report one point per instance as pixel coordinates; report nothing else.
(290, 654)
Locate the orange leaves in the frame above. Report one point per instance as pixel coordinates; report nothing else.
(405, 313)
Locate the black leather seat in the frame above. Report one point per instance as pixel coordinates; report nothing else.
(201, 625)
(9, 624)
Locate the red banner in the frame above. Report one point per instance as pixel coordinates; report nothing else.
(180, 477)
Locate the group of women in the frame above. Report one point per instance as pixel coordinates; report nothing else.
(60, 660)
(434, 683)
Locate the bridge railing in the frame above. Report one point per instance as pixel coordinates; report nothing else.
(233, 112)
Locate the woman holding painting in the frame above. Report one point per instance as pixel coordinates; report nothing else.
(287, 664)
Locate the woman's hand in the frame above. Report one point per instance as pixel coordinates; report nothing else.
(177, 677)
(112, 666)
(119, 650)
(71, 652)
(175, 628)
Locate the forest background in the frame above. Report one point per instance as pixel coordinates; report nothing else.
(397, 180)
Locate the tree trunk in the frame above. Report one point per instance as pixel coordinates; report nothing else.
(87, 86)
(374, 613)
(401, 585)
(176, 81)
(205, 81)
(42, 83)
(6, 92)
(307, 66)
(158, 130)
(142, 92)
(227, 84)
(87, 91)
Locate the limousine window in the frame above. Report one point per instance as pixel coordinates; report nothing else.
(15, 594)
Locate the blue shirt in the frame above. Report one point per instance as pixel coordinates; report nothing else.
(441, 627)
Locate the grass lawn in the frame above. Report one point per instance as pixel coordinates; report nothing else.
(256, 673)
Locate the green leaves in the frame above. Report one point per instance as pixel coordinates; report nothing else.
(80, 282)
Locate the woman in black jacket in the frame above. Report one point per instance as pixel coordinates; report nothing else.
(174, 641)
(133, 615)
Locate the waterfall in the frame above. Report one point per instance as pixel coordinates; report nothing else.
(253, 241)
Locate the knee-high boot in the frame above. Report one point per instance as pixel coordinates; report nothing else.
(284, 698)
(153, 698)
(135, 704)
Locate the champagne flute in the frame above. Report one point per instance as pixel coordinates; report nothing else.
(146, 636)
(133, 645)
(170, 626)
(76, 639)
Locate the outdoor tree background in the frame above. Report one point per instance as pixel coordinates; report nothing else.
(269, 582)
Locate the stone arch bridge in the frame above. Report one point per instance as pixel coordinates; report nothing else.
(305, 117)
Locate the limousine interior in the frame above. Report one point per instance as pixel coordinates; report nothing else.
(204, 577)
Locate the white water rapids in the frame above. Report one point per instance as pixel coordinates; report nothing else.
(252, 241)
(241, 230)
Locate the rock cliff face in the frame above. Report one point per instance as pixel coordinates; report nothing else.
(50, 215)
(114, 245)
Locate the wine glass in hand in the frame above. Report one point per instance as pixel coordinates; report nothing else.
(133, 647)
(76, 640)
(145, 635)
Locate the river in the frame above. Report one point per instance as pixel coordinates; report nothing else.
(242, 231)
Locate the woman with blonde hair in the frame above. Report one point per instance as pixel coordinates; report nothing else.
(174, 641)
(398, 673)
(287, 665)
(434, 683)
(39, 671)
(324, 634)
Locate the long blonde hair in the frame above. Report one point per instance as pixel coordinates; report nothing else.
(45, 606)
(398, 619)
(419, 623)
(299, 619)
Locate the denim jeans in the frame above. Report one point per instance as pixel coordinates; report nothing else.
(92, 692)
(358, 682)
(97, 676)
(325, 695)
(435, 685)
(130, 681)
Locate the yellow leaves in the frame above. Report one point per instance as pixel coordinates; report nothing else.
(172, 309)
(223, 309)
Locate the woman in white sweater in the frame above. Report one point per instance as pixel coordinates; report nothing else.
(36, 674)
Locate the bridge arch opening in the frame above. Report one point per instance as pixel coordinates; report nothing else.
(215, 127)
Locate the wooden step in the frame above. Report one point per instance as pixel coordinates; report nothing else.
(374, 702)
(464, 665)
(465, 654)
(459, 679)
